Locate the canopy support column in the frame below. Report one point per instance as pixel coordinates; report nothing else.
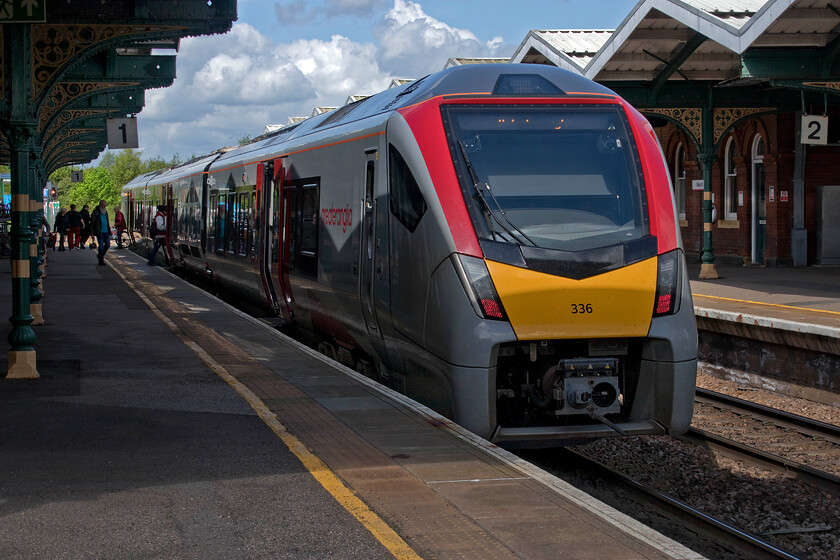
(21, 131)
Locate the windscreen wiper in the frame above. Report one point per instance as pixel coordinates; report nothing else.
(481, 188)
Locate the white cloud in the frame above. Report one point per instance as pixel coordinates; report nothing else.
(356, 7)
(232, 85)
(413, 43)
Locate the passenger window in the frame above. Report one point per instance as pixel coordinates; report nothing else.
(309, 230)
(406, 200)
(300, 235)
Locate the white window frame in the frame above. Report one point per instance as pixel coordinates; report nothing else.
(755, 159)
(678, 172)
(730, 173)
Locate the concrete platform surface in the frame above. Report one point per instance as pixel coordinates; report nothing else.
(167, 424)
(806, 298)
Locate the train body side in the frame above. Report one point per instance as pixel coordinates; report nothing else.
(380, 235)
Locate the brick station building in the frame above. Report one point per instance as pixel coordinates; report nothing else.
(729, 86)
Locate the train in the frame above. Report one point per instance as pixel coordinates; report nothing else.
(497, 241)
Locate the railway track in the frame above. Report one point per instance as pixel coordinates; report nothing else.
(799, 447)
(786, 420)
(726, 539)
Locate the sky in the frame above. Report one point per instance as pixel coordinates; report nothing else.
(282, 59)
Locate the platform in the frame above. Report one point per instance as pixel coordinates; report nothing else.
(167, 424)
(777, 328)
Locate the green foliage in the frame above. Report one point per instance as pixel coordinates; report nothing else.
(107, 179)
(98, 184)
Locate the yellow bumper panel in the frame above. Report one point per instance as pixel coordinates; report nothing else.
(542, 306)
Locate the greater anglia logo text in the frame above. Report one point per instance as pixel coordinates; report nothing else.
(342, 217)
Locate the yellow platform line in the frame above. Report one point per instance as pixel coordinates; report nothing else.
(328, 480)
(769, 304)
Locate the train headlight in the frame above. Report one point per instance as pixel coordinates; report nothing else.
(668, 284)
(479, 287)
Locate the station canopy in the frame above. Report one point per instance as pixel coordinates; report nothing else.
(77, 63)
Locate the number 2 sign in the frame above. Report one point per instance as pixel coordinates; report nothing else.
(814, 130)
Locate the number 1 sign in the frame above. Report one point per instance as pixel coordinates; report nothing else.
(122, 133)
(814, 129)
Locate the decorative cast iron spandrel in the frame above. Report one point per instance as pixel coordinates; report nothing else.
(725, 117)
(691, 118)
(66, 92)
(72, 115)
(55, 47)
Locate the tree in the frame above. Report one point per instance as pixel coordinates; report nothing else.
(126, 166)
(97, 185)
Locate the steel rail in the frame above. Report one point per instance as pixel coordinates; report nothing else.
(802, 424)
(736, 450)
(749, 545)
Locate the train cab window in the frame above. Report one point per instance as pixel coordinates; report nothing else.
(406, 199)
(558, 177)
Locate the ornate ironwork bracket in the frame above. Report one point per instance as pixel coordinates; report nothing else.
(690, 119)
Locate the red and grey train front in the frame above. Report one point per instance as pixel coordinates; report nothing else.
(576, 252)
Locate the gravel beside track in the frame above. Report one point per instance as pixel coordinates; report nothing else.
(791, 515)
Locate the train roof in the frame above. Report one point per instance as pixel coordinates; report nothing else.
(193, 167)
(534, 80)
(143, 180)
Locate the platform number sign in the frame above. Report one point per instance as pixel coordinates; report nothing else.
(122, 133)
(814, 130)
(22, 11)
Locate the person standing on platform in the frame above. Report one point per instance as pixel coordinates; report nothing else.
(160, 235)
(101, 230)
(87, 227)
(61, 225)
(119, 225)
(75, 222)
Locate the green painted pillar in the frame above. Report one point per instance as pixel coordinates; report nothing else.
(707, 268)
(21, 130)
(22, 363)
(707, 158)
(36, 202)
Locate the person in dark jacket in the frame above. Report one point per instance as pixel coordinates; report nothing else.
(61, 226)
(86, 226)
(101, 230)
(75, 227)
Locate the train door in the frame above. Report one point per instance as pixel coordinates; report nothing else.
(370, 254)
(271, 251)
(171, 221)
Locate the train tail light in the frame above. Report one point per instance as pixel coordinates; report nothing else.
(668, 284)
(479, 287)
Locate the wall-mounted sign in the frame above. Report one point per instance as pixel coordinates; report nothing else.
(814, 130)
(122, 133)
(697, 185)
(783, 196)
(772, 194)
(23, 11)
(740, 198)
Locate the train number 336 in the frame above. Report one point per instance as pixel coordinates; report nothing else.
(581, 308)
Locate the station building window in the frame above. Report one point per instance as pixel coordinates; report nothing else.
(678, 179)
(730, 187)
